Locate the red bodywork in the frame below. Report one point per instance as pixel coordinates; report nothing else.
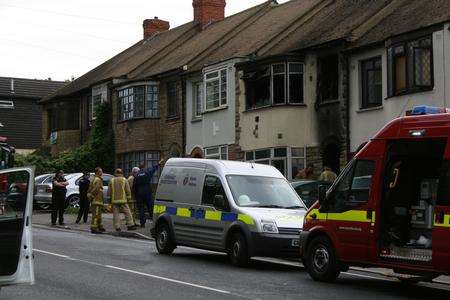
(360, 247)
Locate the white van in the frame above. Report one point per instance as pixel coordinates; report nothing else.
(243, 209)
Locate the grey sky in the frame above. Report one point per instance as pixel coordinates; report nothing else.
(64, 38)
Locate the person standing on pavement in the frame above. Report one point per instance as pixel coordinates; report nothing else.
(143, 191)
(95, 195)
(132, 202)
(83, 185)
(307, 173)
(59, 197)
(327, 175)
(120, 193)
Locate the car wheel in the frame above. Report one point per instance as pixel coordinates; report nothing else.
(74, 201)
(321, 260)
(164, 241)
(238, 250)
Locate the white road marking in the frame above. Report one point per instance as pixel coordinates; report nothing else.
(135, 272)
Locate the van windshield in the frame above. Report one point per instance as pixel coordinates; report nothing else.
(255, 191)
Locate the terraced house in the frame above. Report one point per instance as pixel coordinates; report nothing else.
(272, 84)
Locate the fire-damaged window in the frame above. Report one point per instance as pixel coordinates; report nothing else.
(328, 78)
(410, 67)
(63, 116)
(371, 83)
(173, 105)
(277, 84)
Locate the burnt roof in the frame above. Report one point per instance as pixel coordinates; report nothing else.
(28, 88)
(264, 30)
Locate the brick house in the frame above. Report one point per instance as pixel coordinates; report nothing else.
(20, 113)
(270, 84)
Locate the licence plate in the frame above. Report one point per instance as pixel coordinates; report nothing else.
(295, 243)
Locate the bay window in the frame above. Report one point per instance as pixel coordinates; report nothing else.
(127, 161)
(198, 99)
(138, 102)
(220, 152)
(215, 89)
(371, 83)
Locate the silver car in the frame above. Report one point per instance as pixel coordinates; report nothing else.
(43, 195)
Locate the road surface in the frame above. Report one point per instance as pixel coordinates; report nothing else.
(79, 265)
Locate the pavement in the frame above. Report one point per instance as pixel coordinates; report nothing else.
(73, 264)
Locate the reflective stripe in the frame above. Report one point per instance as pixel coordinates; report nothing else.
(347, 216)
(213, 215)
(209, 215)
(446, 221)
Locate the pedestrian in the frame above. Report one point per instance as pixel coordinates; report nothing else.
(59, 197)
(95, 195)
(83, 185)
(307, 173)
(143, 191)
(327, 175)
(120, 193)
(132, 201)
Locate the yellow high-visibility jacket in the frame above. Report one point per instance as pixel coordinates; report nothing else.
(130, 183)
(95, 191)
(119, 190)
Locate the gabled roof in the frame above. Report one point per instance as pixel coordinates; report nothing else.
(265, 30)
(28, 88)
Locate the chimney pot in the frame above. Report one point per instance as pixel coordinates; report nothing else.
(208, 11)
(154, 26)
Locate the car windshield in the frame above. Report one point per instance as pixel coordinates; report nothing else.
(255, 191)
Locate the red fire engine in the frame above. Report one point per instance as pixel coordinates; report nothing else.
(390, 207)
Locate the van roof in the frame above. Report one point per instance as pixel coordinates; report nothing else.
(226, 167)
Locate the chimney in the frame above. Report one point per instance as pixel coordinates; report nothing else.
(154, 26)
(208, 11)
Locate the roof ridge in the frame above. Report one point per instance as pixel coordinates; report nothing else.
(265, 6)
(375, 19)
(32, 79)
(301, 20)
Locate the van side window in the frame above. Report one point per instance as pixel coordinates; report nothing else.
(353, 189)
(211, 188)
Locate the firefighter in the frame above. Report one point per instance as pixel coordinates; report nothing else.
(143, 191)
(95, 195)
(120, 193)
(327, 175)
(132, 202)
(307, 173)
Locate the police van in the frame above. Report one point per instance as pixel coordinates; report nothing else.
(242, 209)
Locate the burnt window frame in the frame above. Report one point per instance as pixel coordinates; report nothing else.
(287, 93)
(364, 83)
(320, 63)
(173, 101)
(63, 116)
(411, 86)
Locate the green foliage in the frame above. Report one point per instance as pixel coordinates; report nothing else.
(97, 151)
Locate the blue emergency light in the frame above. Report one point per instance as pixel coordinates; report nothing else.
(428, 110)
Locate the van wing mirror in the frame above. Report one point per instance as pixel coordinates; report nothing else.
(16, 206)
(219, 202)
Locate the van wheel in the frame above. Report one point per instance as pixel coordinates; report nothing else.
(321, 261)
(238, 250)
(164, 241)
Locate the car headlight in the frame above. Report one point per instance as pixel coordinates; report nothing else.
(269, 226)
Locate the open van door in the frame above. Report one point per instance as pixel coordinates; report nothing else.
(16, 207)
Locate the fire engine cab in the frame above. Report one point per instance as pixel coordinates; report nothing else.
(390, 207)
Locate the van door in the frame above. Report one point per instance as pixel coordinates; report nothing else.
(215, 213)
(16, 206)
(350, 213)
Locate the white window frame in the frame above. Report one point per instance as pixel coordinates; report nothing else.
(223, 102)
(8, 104)
(197, 99)
(221, 154)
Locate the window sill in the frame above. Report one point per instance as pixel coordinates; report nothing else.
(137, 119)
(196, 120)
(274, 106)
(363, 110)
(409, 92)
(215, 109)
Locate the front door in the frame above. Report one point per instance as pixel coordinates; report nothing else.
(350, 212)
(16, 206)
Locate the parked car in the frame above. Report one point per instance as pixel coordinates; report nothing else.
(308, 190)
(43, 196)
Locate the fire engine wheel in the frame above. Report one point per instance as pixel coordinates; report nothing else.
(164, 241)
(321, 261)
(238, 250)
